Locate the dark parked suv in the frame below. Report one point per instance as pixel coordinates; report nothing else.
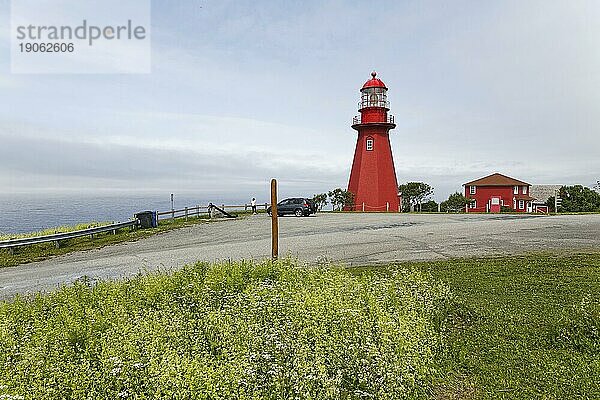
(298, 206)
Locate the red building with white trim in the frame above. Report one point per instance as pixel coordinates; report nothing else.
(492, 192)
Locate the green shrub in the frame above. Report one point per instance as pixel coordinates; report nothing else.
(233, 330)
(429, 206)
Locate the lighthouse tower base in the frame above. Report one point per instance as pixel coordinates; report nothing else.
(373, 177)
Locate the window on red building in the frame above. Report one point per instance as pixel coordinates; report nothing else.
(472, 189)
(521, 204)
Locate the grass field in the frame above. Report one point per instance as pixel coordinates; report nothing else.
(505, 328)
(522, 328)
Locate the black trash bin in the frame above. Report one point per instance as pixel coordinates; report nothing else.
(145, 219)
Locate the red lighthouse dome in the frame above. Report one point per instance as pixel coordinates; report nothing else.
(373, 176)
(374, 82)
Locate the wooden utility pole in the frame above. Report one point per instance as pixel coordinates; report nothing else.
(274, 221)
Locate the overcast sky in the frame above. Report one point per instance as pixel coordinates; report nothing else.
(241, 92)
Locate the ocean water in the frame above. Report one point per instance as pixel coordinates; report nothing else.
(20, 213)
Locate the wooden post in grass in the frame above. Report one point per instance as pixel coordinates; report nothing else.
(274, 221)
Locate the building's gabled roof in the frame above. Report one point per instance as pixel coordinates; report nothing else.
(496, 180)
(543, 192)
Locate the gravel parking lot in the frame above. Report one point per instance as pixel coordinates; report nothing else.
(352, 238)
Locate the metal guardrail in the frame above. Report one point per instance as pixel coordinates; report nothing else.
(197, 210)
(57, 237)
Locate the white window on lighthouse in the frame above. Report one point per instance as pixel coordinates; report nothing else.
(369, 144)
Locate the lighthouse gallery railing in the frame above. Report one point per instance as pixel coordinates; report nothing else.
(357, 120)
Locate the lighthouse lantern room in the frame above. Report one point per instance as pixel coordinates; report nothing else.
(373, 176)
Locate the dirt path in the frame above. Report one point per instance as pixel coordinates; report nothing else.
(351, 238)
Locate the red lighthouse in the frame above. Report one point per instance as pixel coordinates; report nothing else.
(373, 177)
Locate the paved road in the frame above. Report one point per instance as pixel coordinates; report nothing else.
(352, 238)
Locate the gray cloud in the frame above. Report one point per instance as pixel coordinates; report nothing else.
(96, 164)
